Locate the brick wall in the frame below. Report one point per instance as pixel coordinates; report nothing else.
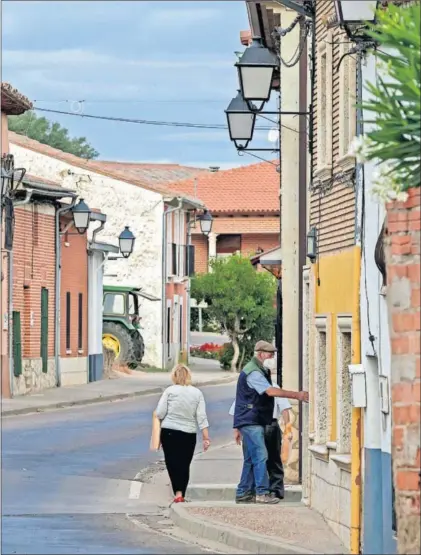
(251, 242)
(404, 282)
(33, 269)
(74, 280)
(200, 243)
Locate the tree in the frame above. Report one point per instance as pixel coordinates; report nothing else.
(395, 104)
(52, 134)
(240, 299)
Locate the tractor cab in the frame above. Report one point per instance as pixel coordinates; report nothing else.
(121, 322)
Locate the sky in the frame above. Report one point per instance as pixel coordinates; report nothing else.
(156, 60)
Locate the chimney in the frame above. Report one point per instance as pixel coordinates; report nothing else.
(213, 169)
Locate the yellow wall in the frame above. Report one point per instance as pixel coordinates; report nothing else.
(335, 296)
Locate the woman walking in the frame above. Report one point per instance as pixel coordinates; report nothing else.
(181, 411)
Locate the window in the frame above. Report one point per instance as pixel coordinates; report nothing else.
(68, 321)
(80, 323)
(17, 344)
(321, 382)
(343, 383)
(324, 109)
(114, 304)
(44, 329)
(347, 111)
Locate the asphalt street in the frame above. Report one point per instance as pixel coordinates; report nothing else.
(67, 477)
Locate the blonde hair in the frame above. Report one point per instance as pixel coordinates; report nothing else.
(181, 375)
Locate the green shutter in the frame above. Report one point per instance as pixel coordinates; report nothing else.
(17, 344)
(44, 329)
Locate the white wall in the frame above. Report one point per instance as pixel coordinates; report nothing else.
(124, 204)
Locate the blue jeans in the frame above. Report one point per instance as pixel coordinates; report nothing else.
(254, 477)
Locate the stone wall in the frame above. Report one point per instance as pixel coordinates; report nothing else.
(33, 379)
(404, 282)
(124, 204)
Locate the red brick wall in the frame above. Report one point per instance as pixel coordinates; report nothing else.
(200, 243)
(34, 268)
(74, 279)
(404, 282)
(251, 242)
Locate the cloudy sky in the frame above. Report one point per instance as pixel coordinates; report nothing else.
(155, 60)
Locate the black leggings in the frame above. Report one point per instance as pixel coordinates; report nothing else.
(178, 450)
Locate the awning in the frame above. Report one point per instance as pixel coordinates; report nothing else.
(270, 260)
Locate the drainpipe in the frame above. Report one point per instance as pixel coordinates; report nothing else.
(57, 309)
(189, 225)
(26, 200)
(164, 272)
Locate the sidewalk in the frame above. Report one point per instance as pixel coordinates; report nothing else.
(212, 514)
(205, 372)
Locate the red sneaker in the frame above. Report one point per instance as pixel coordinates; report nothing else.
(179, 499)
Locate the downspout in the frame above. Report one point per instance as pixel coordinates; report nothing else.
(356, 416)
(188, 290)
(26, 200)
(164, 272)
(57, 308)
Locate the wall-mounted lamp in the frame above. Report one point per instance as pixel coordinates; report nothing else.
(352, 15)
(256, 69)
(206, 222)
(312, 245)
(81, 216)
(126, 242)
(241, 121)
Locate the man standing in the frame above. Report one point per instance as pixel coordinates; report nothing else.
(254, 408)
(273, 442)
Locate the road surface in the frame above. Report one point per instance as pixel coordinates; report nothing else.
(67, 478)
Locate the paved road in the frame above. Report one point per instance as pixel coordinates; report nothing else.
(197, 338)
(67, 478)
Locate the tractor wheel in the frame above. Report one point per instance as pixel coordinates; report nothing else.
(139, 347)
(119, 340)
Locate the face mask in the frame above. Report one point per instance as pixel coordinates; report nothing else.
(269, 363)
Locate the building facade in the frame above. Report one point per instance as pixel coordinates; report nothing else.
(127, 200)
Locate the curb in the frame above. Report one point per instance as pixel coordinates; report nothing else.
(101, 399)
(226, 492)
(239, 538)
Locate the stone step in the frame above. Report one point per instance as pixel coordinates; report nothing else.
(226, 492)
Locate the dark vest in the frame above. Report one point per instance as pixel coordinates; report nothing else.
(252, 409)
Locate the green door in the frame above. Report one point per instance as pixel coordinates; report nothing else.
(17, 344)
(44, 329)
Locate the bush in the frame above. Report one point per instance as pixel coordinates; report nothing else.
(225, 356)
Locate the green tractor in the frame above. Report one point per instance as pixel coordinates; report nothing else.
(121, 323)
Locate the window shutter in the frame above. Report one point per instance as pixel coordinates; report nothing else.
(17, 344)
(44, 329)
(190, 260)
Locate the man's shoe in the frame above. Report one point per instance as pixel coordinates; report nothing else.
(246, 498)
(278, 494)
(267, 499)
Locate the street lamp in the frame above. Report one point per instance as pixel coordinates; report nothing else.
(241, 121)
(126, 241)
(312, 245)
(205, 221)
(256, 69)
(355, 12)
(81, 216)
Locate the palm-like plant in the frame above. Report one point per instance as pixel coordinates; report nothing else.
(395, 137)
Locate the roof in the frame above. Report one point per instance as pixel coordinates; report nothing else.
(13, 103)
(114, 170)
(271, 257)
(41, 181)
(248, 189)
(152, 173)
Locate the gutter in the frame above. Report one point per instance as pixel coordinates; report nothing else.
(164, 270)
(26, 200)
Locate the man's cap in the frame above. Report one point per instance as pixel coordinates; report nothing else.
(265, 347)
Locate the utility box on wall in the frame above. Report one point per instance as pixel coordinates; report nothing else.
(359, 386)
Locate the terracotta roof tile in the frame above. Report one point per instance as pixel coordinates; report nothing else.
(115, 170)
(248, 189)
(13, 102)
(34, 179)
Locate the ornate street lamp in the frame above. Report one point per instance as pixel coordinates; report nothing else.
(241, 121)
(81, 216)
(126, 242)
(256, 68)
(206, 222)
(312, 245)
(351, 15)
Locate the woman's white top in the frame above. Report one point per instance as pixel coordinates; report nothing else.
(183, 408)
